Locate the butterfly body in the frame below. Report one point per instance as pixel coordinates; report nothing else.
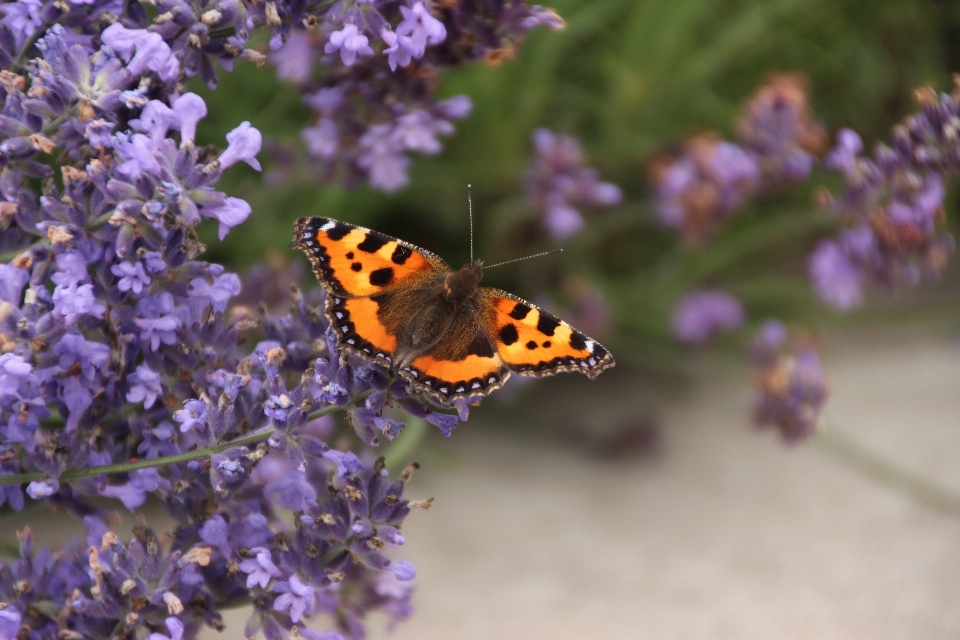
(393, 303)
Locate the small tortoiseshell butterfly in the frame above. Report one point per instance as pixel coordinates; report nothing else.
(401, 306)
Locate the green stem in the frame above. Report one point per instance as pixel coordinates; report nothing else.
(250, 438)
(918, 488)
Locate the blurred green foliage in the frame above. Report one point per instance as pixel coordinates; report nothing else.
(630, 79)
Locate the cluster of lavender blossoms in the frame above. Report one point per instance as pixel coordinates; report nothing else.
(123, 371)
(371, 84)
(892, 204)
(559, 185)
(778, 142)
(792, 387)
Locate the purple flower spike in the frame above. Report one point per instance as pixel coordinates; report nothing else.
(792, 387)
(559, 185)
(701, 314)
(350, 43)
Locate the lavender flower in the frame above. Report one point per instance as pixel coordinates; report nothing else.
(778, 143)
(113, 330)
(701, 314)
(779, 129)
(558, 184)
(892, 204)
(792, 387)
(697, 192)
(350, 43)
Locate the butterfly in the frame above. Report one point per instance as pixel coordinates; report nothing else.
(396, 304)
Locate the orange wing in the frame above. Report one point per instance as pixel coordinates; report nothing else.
(533, 342)
(352, 261)
(362, 270)
(503, 333)
(465, 364)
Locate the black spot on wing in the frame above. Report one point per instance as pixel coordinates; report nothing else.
(356, 266)
(372, 242)
(349, 255)
(578, 341)
(381, 277)
(339, 231)
(520, 311)
(508, 334)
(531, 345)
(400, 254)
(480, 347)
(547, 324)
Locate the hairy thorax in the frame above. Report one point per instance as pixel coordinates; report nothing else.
(456, 292)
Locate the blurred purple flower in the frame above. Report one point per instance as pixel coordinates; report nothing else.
(792, 387)
(701, 314)
(558, 185)
(294, 60)
(779, 129)
(836, 278)
(698, 191)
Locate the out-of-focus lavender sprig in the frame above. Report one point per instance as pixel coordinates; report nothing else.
(122, 369)
(369, 71)
(700, 315)
(791, 386)
(778, 142)
(892, 204)
(559, 185)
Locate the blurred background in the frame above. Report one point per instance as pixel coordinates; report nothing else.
(642, 504)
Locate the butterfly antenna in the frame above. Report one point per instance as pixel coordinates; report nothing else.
(536, 255)
(470, 205)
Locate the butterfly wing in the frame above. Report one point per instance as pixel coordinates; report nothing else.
(372, 281)
(353, 261)
(464, 364)
(535, 343)
(502, 333)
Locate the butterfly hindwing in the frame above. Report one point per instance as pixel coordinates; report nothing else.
(353, 261)
(535, 343)
(464, 364)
